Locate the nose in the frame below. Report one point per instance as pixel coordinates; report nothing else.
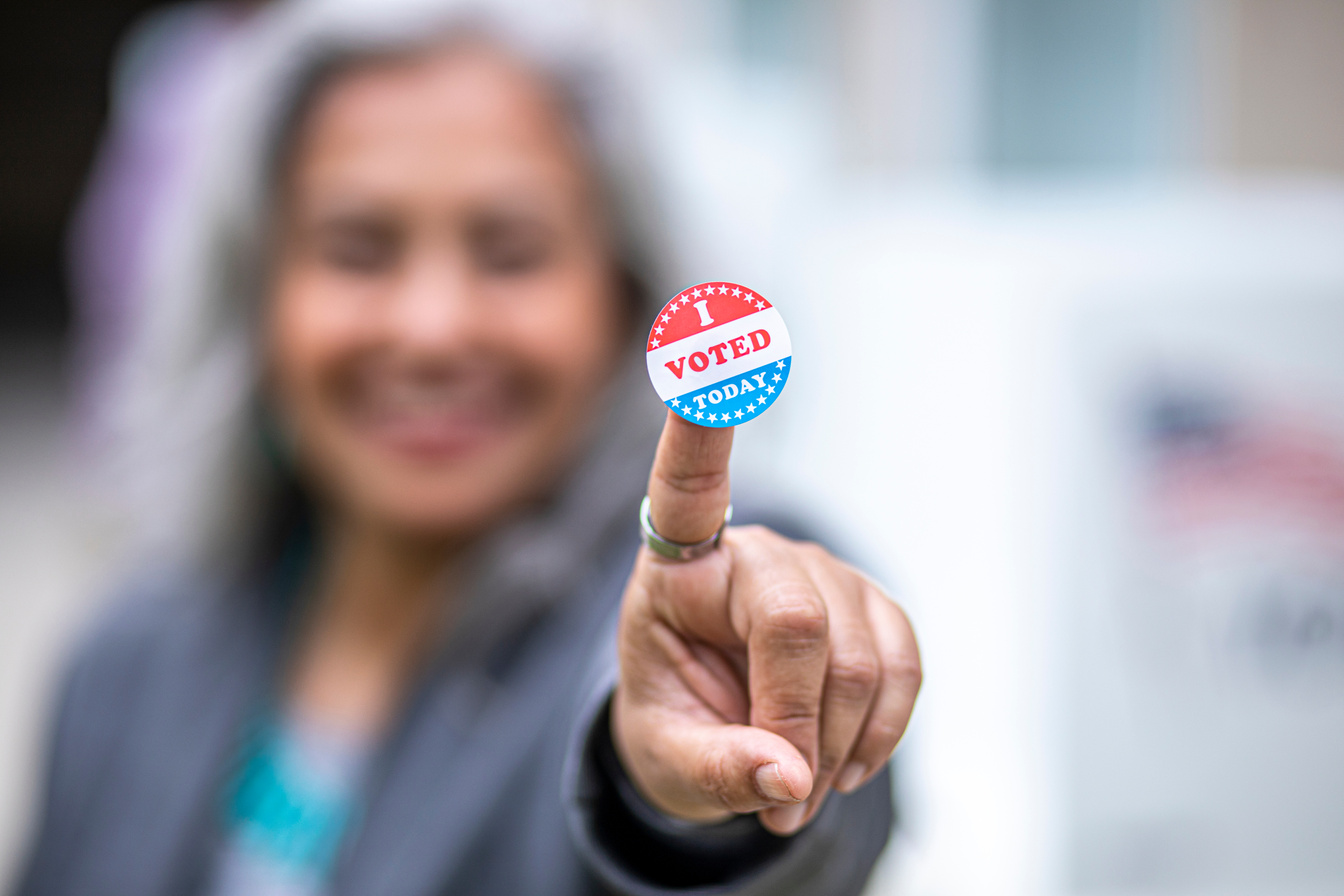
(433, 310)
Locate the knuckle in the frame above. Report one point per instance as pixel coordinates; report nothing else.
(875, 592)
(751, 535)
(905, 673)
(789, 713)
(855, 673)
(797, 613)
(693, 483)
(814, 551)
(714, 777)
(718, 782)
(882, 736)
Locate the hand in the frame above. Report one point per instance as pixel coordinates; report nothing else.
(755, 678)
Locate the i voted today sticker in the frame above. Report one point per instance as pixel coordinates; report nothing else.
(719, 354)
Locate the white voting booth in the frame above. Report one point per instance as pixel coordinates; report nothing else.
(1096, 438)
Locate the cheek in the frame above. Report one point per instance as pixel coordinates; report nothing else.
(309, 331)
(574, 338)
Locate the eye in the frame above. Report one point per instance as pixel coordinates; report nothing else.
(510, 246)
(358, 246)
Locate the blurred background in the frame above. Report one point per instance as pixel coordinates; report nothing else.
(1066, 283)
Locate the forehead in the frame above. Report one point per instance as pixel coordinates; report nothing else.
(463, 114)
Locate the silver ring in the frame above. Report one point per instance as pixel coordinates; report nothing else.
(674, 550)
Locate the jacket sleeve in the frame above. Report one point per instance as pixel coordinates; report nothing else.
(636, 850)
(69, 777)
(95, 711)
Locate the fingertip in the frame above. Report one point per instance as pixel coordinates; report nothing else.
(797, 776)
(784, 781)
(785, 821)
(689, 449)
(772, 785)
(849, 779)
(787, 818)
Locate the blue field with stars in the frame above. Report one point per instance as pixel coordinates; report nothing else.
(736, 399)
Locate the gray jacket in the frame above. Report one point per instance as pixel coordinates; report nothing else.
(497, 779)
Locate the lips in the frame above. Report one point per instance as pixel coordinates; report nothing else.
(436, 416)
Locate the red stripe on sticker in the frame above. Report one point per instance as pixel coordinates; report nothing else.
(700, 307)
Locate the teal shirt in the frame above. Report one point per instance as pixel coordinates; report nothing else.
(287, 810)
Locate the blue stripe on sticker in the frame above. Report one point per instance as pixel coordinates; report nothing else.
(736, 399)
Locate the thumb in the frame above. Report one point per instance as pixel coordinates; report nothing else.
(703, 770)
(688, 487)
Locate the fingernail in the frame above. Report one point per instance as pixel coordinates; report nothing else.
(771, 784)
(791, 817)
(850, 777)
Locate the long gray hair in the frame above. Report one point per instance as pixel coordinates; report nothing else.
(182, 437)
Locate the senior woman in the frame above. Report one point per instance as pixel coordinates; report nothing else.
(407, 675)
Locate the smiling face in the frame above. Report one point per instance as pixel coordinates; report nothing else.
(443, 313)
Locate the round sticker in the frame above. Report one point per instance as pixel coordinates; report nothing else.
(719, 354)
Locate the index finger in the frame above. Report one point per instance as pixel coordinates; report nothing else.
(688, 486)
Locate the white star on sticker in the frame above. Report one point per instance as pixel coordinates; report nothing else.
(780, 365)
(676, 402)
(760, 306)
(776, 377)
(770, 390)
(658, 330)
(653, 342)
(739, 412)
(713, 416)
(666, 318)
(737, 292)
(698, 293)
(751, 407)
(699, 416)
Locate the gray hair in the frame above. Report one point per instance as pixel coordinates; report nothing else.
(182, 427)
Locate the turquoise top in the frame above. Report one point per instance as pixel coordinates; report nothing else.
(288, 809)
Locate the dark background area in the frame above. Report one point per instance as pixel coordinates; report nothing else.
(54, 66)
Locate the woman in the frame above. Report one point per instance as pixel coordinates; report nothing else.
(414, 681)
